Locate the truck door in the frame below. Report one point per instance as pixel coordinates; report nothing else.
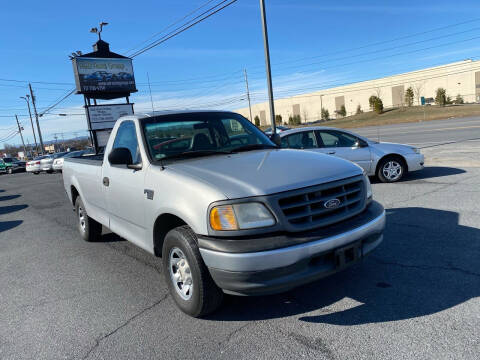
(124, 188)
(346, 146)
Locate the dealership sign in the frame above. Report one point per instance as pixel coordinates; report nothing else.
(103, 75)
(104, 116)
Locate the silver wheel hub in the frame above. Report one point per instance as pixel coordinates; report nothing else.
(180, 273)
(392, 170)
(81, 218)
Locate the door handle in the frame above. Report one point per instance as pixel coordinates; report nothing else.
(106, 181)
(331, 152)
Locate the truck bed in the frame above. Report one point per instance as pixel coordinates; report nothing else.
(96, 160)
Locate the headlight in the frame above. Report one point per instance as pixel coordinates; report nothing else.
(416, 150)
(240, 216)
(369, 187)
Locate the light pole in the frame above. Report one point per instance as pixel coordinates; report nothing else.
(267, 65)
(26, 98)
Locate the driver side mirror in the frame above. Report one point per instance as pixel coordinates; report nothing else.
(276, 139)
(123, 156)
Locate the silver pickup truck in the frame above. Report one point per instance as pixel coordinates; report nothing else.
(226, 209)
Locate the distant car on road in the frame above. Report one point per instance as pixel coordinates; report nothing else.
(11, 165)
(388, 161)
(279, 128)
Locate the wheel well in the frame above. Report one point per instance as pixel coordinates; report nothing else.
(392, 156)
(74, 193)
(163, 225)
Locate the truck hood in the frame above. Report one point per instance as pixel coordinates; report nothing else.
(264, 172)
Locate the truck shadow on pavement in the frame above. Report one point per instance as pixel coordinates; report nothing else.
(427, 263)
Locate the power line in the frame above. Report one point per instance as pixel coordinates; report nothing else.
(180, 30)
(169, 26)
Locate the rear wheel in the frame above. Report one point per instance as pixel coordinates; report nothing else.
(190, 284)
(391, 169)
(9, 170)
(36, 172)
(90, 230)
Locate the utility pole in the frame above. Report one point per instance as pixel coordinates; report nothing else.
(248, 94)
(26, 98)
(20, 131)
(267, 65)
(55, 136)
(36, 118)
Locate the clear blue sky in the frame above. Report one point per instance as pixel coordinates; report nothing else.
(314, 44)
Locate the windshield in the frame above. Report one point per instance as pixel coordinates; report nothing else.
(8, 160)
(201, 134)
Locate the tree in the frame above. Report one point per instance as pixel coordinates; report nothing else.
(343, 111)
(325, 114)
(417, 89)
(278, 119)
(459, 99)
(371, 101)
(441, 97)
(409, 96)
(378, 105)
(294, 120)
(359, 110)
(257, 120)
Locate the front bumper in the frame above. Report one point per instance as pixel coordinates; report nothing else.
(415, 161)
(299, 259)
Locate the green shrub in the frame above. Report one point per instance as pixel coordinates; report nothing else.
(459, 99)
(409, 96)
(324, 114)
(359, 110)
(278, 119)
(441, 97)
(257, 120)
(378, 105)
(343, 111)
(371, 101)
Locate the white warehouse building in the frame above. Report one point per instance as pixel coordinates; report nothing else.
(459, 78)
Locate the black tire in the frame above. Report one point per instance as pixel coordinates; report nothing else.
(391, 162)
(90, 230)
(36, 172)
(205, 296)
(9, 170)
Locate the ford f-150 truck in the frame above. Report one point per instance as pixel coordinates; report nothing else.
(225, 207)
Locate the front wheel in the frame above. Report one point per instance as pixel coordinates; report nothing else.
(90, 230)
(190, 284)
(391, 169)
(10, 171)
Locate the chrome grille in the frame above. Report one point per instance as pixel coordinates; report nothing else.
(305, 208)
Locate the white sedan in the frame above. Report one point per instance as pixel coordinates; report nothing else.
(388, 161)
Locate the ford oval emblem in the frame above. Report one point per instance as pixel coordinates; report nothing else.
(331, 204)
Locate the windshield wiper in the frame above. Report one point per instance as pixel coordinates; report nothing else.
(192, 154)
(252, 147)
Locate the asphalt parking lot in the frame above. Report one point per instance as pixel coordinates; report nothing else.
(416, 297)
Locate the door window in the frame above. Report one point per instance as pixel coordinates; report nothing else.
(300, 140)
(332, 138)
(127, 138)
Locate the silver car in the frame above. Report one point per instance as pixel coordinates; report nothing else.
(58, 162)
(46, 164)
(33, 166)
(388, 161)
